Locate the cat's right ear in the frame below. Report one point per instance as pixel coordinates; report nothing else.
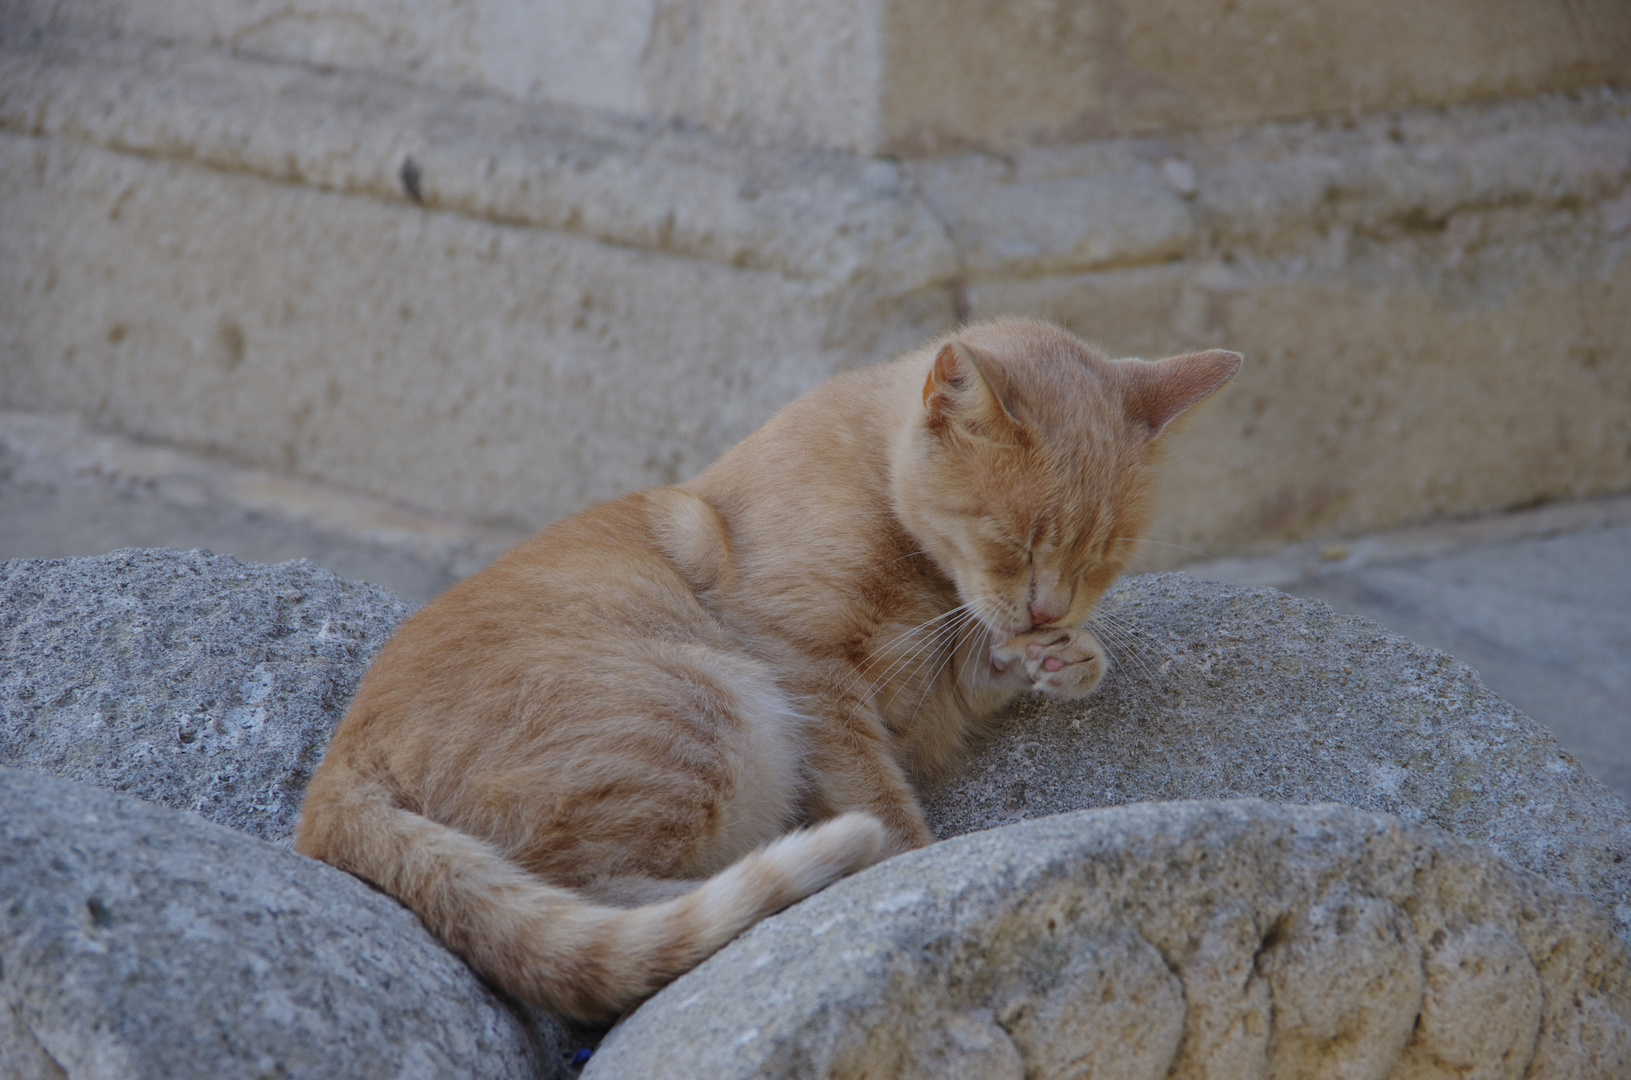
(963, 391)
(1160, 391)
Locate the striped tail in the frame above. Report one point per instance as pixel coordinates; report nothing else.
(546, 945)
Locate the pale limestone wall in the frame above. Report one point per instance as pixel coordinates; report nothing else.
(584, 53)
(508, 351)
(1435, 308)
(486, 305)
(500, 374)
(1003, 74)
(918, 77)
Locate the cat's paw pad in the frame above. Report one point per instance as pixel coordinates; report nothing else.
(1059, 663)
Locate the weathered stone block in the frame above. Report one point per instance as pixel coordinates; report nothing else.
(499, 374)
(920, 76)
(441, 356)
(1212, 939)
(226, 254)
(995, 74)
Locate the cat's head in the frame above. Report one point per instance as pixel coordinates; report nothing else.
(1027, 472)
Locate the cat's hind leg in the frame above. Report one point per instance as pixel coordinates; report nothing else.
(660, 760)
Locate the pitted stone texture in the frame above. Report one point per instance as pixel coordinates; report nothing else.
(139, 942)
(1222, 692)
(1184, 940)
(190, 679)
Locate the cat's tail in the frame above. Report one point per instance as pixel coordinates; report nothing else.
(549, 946)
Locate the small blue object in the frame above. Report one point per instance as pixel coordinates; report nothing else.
(581, 1058)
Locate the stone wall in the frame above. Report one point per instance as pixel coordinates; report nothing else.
(464, 257)
(908, 77)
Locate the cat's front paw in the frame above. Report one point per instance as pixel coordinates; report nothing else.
(1060, 663)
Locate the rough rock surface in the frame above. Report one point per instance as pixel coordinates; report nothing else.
(108, 664)
(1222, 692)
(210, 683)
(139, 942)
(1224, 939)
(194, 680)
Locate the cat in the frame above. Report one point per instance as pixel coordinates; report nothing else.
(591, 765)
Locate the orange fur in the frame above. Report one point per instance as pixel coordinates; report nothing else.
(580, 767)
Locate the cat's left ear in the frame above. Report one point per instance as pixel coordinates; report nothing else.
(1160, 391)
(965, 390)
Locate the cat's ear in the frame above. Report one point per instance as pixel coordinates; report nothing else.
(1160, 391)
(964, 389)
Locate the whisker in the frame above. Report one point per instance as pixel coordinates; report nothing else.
(980, 656)
(1125, 650)
(879, 654)
(1131, 640)
(910, 658)
(953, 614)
(1114, 632)
(1133, 628)
(929, 685)
(977, 649)
(924, 654)
(924, 696)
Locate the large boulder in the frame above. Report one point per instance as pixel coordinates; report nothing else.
(139, 942)
(207, 683)
(1223, 939)
(1222, 692)
(194, 680)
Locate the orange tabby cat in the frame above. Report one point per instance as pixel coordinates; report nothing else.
(580, 767)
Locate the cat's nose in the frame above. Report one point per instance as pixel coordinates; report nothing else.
(1041, 616)
(1050, 597)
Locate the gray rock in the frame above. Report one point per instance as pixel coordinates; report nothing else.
(138, 942)
(208, 683)
(190, 679)
(1222, 692)
(1223, 939)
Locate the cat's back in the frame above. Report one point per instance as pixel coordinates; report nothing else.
(588, 588)
(558, 578)
(809, 489)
